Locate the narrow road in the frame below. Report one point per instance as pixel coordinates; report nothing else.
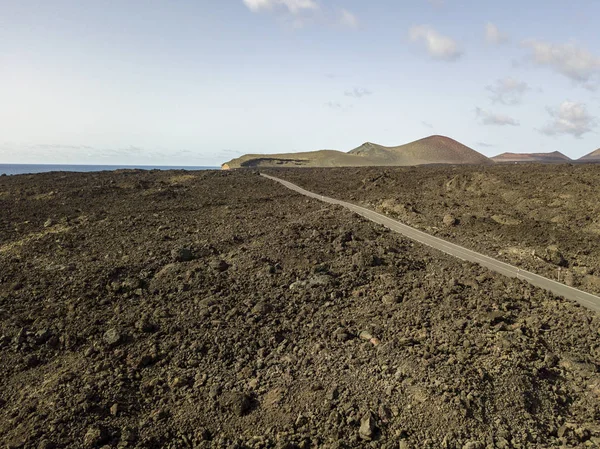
(585, 299)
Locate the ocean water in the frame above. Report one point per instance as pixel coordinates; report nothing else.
(20, 169)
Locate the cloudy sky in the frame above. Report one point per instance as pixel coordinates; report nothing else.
(198, 82)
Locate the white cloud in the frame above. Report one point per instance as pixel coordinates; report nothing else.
(293, 6)
(438, 46)
(570, 118)
(337, 106)
(493, 34)
(257, 5)
(348, 19)
(358, 92)
(299, 13)
(508, 91)
(490, 118)
(574, 62)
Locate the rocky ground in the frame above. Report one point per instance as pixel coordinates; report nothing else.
(216, 309)
(544, 218)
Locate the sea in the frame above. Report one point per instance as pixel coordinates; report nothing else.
(21, 169)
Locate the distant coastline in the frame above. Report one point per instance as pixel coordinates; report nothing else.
(23, 169)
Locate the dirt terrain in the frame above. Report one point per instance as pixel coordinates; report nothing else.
(218, 310)
(544, 218)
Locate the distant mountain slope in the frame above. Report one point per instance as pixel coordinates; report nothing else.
(321, 158)
(592, 157)
(430, 150)
(553, 157)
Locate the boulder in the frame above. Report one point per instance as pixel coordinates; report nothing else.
(450, 220)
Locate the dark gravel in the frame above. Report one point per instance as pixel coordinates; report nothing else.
(211, 309)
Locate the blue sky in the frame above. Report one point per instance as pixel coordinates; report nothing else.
(198, 82)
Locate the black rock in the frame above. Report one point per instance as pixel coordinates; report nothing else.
(182, 255)
(218, 265)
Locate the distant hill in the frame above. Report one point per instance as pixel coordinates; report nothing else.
(430, 150)
(321, 158)
(594, 156)
(547, 158)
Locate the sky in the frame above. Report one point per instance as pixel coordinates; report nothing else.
(199, 82)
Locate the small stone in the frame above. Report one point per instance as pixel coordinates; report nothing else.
(261, 308)
(582, 434)
(218, 265)
(502, 443)
(317, 386)
(367, 427)
(46, 444)
(450, 220)
(53, 341)
(128, 434)
(95, 436)
(297, 285)
(146, 360)
(204, 434)
(112, 337)
(562, 430)
(159, 414)
(389, 299)
(333, 393)
(473, 445)
(114, 409)
(554, 256)
(178, 382)
(385, 413)
(404, 445)
(341, 334)
(495, 317)
(287, 445)
(301, 420)
(42, 336)
(144, 324)
(364, 335)
(182, 255)
(321, 280)
(32, 360)
(238, 403)
(214, 392)
(551, 360)
(21, 337)
(15, 443)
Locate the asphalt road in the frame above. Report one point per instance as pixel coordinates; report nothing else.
(585, 299)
